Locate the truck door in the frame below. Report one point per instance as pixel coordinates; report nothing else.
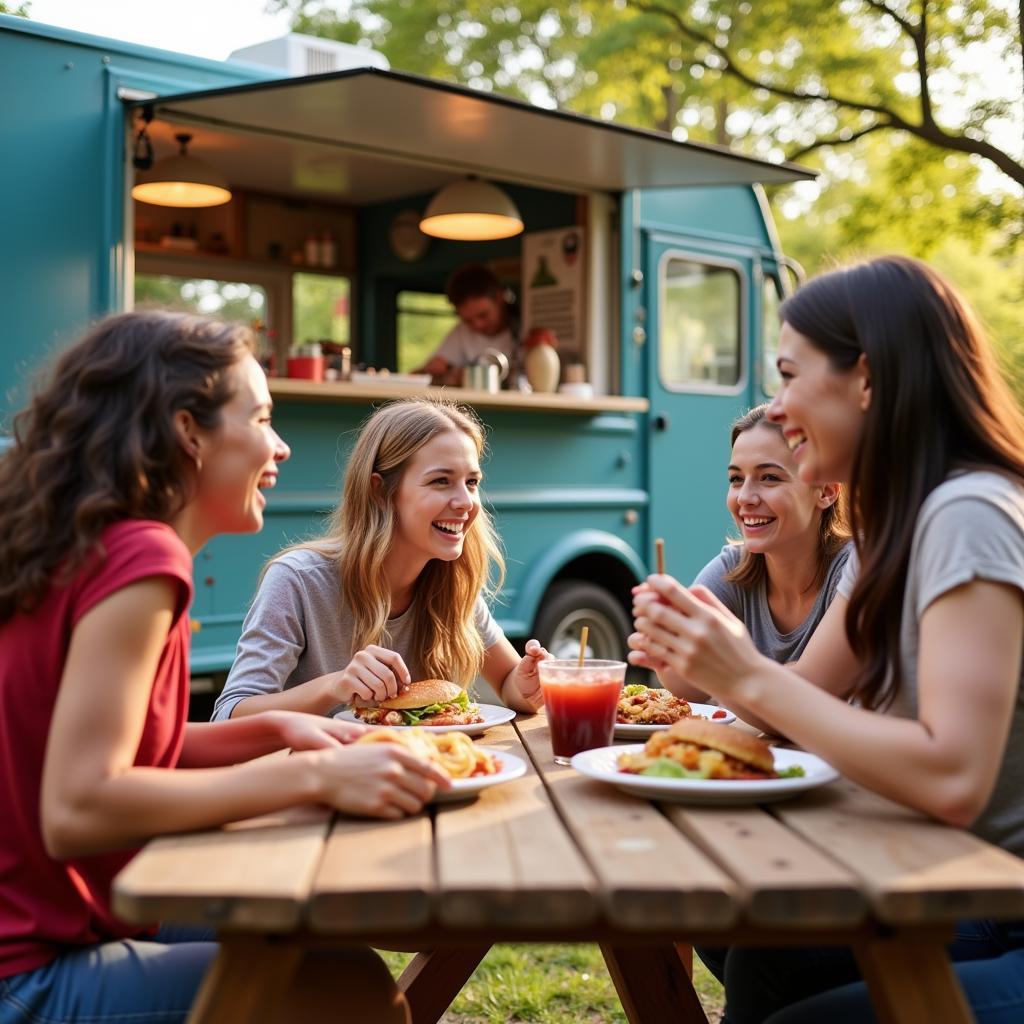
(699, 379)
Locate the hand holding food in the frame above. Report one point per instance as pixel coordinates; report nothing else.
(376, 780)
(692, 633)
(425, 702)
(374, 674)
(695, 748)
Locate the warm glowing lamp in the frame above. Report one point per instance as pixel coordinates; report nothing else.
(182, 180)
(471, 210)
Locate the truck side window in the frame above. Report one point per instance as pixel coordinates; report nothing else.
(423, 320)
(700, 336)
(771, 299)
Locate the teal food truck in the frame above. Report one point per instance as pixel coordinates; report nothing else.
(655, 261)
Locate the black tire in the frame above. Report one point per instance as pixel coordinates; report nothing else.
(571, 604)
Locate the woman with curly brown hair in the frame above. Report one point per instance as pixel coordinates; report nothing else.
(889, 385)
(150, 435)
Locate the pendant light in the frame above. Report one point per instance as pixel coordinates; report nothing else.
(182, 180)
(471, 210)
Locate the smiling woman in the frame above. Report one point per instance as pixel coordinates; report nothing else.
(395, 589)
(780, 576)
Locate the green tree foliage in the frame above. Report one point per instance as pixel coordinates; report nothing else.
(887, 99)
(18, 10)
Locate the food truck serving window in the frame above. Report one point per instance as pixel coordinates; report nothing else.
(699, 343)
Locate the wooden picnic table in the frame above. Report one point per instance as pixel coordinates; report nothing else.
(555, 857)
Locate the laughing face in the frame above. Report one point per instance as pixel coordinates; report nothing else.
(238, 458)
(771, 507)
(437, 500)
(821, 410)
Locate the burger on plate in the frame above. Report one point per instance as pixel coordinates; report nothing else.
(426, 702)
(695, 748)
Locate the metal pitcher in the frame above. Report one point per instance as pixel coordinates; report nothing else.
(488, 373)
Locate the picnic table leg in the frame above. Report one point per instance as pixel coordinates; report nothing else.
(246, 980)
(432, 980)
(911, 980)
(653, 984)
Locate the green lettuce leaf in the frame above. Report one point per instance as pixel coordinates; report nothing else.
(793, 772)
(633, 689)
(413, 716)
(666, 768)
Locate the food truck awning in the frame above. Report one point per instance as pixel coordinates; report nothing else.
(332, 132)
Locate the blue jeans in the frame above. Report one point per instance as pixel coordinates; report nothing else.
(132, 981)
(807, 986)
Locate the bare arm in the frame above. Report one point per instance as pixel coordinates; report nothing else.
(93, 796)
(515, 679)
(945, 762)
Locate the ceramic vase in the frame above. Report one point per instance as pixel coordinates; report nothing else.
(542, 368)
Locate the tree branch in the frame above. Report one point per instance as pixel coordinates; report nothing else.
(837, 140)
(883, 8)
(927, 130)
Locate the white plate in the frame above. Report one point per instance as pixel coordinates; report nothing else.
(492, 714)
(635, 731)
(602, 764)
(512, 767)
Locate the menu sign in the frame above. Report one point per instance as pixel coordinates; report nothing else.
(553, 285)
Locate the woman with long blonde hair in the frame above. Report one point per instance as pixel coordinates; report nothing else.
(394, 591)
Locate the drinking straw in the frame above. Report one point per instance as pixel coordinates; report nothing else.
(659, 554)
(583, 643)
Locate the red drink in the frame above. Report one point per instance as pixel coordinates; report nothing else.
(581, 703)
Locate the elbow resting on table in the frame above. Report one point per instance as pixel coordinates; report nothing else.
(955, 801)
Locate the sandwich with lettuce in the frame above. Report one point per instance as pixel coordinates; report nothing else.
(426, 702)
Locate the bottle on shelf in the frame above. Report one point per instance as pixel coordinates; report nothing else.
(542, 363)
(328, 250)
(312, 251)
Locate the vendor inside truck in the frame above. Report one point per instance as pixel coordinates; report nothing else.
(487, 320)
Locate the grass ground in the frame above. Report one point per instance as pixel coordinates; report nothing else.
(561, 984)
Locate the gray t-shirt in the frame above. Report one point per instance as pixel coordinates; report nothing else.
(971, 527)
(299, 627)
(751, 605)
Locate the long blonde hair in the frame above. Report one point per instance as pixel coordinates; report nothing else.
(359, 535)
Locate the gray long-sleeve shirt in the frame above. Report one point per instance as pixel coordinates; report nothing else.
(299, 627)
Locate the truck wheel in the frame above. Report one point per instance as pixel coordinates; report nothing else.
(568, 606)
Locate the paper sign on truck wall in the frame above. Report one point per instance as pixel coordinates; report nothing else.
(552, 286)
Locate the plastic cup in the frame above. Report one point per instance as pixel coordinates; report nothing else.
(581, 702)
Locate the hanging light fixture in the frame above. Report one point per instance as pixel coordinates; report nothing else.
(181, 180)
(471, 210)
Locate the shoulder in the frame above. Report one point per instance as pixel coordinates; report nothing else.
(304, 568)
(977, 489)
(724, 562)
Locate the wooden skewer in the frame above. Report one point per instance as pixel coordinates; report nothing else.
(583, 644)
(659, 554)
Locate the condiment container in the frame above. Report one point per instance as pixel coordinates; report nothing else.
(542, 362)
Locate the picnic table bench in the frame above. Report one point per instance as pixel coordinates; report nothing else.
(555, 857)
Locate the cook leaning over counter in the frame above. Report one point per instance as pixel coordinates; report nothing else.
(487, 320)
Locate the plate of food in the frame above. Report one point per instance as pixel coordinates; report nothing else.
(645, 710)
(471, 767)
(700, 762)
(435, 704)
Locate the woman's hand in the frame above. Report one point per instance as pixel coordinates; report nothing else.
(690, 633)
(379, 780)
(524, 679)
(374, 674)
(300, 731)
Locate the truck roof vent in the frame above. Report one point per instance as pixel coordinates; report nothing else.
(298, 54)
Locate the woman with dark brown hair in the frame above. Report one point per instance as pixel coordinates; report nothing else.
(890, 386)
(149, 436)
